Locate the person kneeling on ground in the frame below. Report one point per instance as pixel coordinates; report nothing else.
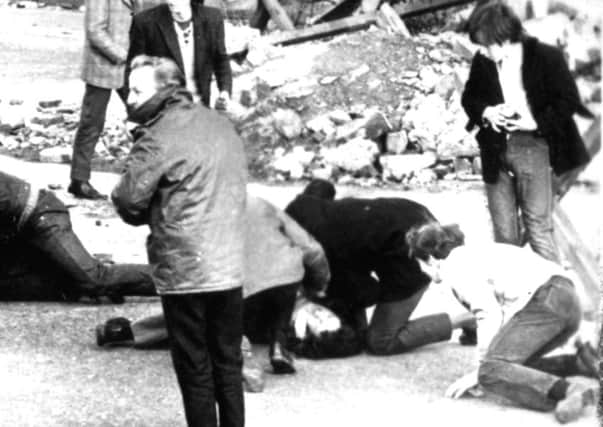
(43, 259)
(526, 306)
(279, 256)
(373, 247)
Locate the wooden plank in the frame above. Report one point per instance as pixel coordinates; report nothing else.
(332, 28)
(278, 15)
(341, 10)
(416, 7)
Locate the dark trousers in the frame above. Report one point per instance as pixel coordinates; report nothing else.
(205, 332)
(51, 248)
(92, 122)
(514, 366)
(524, 186)
(390, 331)
(267, 314)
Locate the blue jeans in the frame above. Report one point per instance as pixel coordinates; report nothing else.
(524, 185)
(514, 366)
(205, 332)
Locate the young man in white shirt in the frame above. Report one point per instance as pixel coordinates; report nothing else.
(526, 306)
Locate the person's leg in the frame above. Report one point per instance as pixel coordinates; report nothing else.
(224, 335)
(92, 121)
(390, 331)
(281, 301)
(502, 205)
(535, 194)
(150, 331)
(546, 322)
(186, 319)
(51, 233)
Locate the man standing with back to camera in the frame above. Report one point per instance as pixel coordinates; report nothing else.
(185, 177)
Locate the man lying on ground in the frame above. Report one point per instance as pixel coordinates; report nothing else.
(373, 247)
(43, 259)
(279, 256)
(526, 306)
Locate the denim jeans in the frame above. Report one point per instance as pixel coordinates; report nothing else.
(514, 366)
(92, 122)
(524, 185)
(390, 331)
(205, 332)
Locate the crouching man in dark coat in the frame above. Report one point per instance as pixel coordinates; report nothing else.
(44, 260)
(185, 177)
(375, 248)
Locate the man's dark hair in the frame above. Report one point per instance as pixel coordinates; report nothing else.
(320, 188)
(494, 22)
(434, 240)
(167, 72)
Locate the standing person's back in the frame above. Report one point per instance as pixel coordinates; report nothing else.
(185, 177)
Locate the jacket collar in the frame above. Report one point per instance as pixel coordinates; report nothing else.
(153, 109)
(165, 22)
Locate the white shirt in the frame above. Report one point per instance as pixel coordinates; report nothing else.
(496, 280)
(186, 42)
(509, 76)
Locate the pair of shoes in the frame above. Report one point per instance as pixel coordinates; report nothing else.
(588, 359)
(578, 397)
(281, 360)
(468, 337)
(116, 331)
(83, 190)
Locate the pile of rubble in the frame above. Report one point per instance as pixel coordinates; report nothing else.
(368, 107)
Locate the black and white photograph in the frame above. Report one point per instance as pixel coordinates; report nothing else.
(300, 213)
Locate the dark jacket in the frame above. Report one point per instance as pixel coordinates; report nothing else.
(185, 176)
(552, 98)
(361, 236)
(152, 33)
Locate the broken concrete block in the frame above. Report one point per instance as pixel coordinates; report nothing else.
(47, 119)
(436, 55)
(322, 128)
(9, 142)
(356, 156)
(339, 117)
(396, 142)
(350, 129)
(376, 126)
(249, 97)
(287, 123)
(56, 154)
(456, 142)
(399, 166)
(53, 103)
(447, 85)
(463, 165)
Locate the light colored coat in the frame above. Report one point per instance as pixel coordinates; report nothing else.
(107, 26)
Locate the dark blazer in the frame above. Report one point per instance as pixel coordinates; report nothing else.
(360, 236)
(152, 33)
(552, 97)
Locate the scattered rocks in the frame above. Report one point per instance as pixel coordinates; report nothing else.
(398, 167)
(48, 119)
(396, 142)
(50, 103)
(356, 156)
(287, 123)
(56, 155)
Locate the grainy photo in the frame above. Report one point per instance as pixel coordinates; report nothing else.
(300, 213)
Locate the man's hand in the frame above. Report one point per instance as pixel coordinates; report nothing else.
(222, 101)
(526, 123)
(465, 384)
(496, 116)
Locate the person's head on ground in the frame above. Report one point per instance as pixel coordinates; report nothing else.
(321, 189)
(149, 76)
(433, 240)
(181, 10)
(496, 27)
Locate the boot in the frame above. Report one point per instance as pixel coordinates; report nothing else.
(281, 360)
(116, 331)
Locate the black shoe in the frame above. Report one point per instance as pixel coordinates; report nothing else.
(83, 190)
(281, 360)
(116, 331)
(588, 360)
(468, 337)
